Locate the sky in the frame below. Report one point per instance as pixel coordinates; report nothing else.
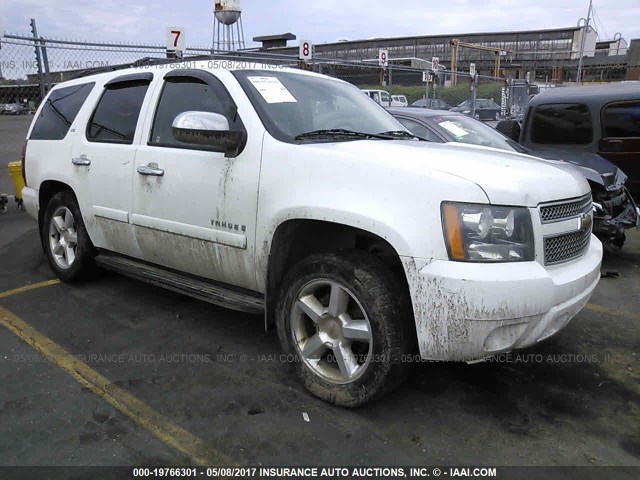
(130, 21)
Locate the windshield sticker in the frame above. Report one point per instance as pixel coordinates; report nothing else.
(272, 90)
(454, 129)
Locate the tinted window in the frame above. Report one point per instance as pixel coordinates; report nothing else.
(59, 112)
(419, 130)
(116, 116)
(385, 97)
(183, 95)
(561, 124)
(622, 120)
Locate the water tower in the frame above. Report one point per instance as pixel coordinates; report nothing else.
(228, 34)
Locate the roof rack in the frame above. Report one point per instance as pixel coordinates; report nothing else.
(142, 62)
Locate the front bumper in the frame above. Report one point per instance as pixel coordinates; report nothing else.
(467, 311)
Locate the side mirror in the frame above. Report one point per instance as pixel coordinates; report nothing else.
(208, 129)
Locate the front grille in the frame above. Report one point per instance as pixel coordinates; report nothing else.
(561, 211)
(568, 246)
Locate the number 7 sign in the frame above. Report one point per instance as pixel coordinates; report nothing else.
(175, 39)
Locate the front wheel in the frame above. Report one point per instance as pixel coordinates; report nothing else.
(342, 317)
(65, 238)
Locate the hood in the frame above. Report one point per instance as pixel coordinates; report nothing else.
(595, 168)
(506, 178)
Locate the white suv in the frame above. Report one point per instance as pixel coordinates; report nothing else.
(291, 193)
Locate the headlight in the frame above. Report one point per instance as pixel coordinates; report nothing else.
(486, 233)
(466, 112)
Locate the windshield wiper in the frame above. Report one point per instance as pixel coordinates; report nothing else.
(401, 134)
(340, 133)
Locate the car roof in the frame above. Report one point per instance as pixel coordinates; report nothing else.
(589, 94)
(419, 112)
(186, 64)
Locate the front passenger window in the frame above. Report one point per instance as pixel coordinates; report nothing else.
(182, 95)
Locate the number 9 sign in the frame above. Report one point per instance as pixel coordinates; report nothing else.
(383, 58)
(306, 50)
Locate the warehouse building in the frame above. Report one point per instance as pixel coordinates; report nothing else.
(550, 55)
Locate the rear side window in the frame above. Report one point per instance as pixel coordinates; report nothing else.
(562, 124)
(59, 111)
(621, 120)
(116, 116)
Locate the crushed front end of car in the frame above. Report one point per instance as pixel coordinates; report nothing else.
(614, 210)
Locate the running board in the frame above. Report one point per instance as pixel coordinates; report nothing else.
(193, 287)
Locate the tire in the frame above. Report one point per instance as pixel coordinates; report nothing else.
(65, 239)
(341, 361)
(510, 129)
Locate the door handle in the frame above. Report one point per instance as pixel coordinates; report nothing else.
(81, 161)
(151, 170)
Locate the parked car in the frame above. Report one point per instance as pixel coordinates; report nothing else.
(383, 98)
(287, 193)
(588, 125)
(486, 109)
(433, 103)
(612, 218)
(13, 109)
(602, 119)
(401, 100)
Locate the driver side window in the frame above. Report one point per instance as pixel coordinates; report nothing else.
(180, 95)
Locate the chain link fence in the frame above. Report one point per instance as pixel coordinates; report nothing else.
(30, 66)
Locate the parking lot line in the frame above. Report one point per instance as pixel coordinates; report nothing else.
(169, 433)
(618, 313)
(28, 288)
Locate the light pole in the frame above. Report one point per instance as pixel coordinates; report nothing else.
(582, 40)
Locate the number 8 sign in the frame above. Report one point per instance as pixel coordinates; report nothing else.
(306, 50)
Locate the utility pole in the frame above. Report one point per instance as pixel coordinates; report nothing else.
(582, 40)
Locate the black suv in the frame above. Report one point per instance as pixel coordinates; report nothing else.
(596, 127)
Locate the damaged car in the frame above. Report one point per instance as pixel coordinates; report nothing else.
(597, 128)
(614, 208)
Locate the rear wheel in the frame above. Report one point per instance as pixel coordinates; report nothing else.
(341, 316)
(65, 239)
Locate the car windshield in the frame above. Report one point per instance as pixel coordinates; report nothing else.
(467, 130)
(292, 104)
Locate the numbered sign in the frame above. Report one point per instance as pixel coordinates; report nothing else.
(427, 76)
(435, 63)
(175, 39)
(472, 69)
(306, 50)
(383, 58)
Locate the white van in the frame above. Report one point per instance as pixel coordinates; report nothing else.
(383, 98)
